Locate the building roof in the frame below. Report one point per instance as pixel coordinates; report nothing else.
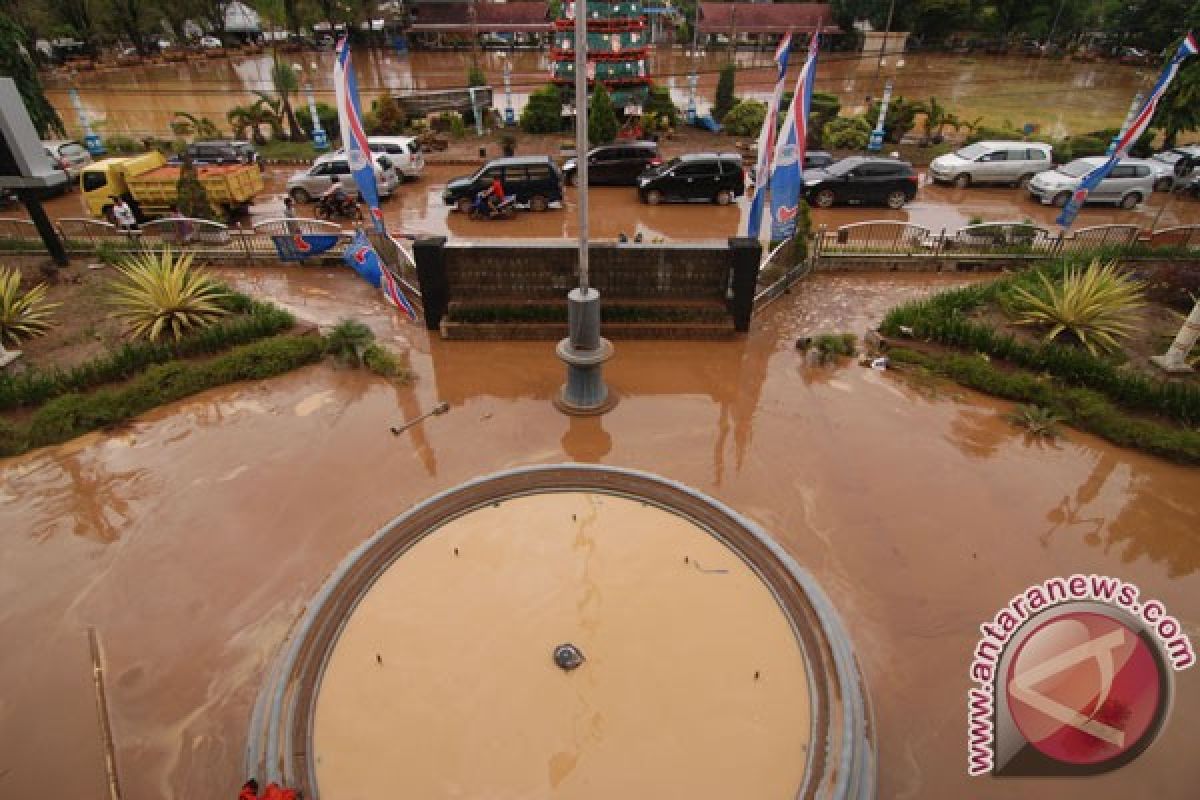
(513, 17)
(765, 17)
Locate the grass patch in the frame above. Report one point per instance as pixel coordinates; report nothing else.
(74, 414)
(288, 151)
(1085, 409)
(383, 362)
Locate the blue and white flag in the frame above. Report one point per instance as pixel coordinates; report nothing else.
(358, 151)
(299, 246)
(1136, 128)
(766, 140)
(787, 178)
(363, 259)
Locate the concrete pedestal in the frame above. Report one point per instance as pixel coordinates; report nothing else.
(584, 352)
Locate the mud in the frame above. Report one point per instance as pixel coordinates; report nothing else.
(192, 538)
(692, 684)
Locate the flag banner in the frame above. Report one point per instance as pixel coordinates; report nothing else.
(358, 151)
(787, 176)
(1187, 47)
(363, 259)
(297, 247)
(766, 140)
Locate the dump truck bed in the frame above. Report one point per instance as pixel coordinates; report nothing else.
(229, 185)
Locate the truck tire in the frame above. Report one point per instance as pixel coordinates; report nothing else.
(300, 196)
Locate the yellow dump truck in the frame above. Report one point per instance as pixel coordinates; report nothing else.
(151, 185)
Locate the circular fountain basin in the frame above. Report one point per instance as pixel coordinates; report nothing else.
(567, 632)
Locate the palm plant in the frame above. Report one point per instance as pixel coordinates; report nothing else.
(271, 113)
(1036, 420)
(252, 116)
(935, 120)
(23, 315)
(349, 341)
(1096, 305)
(184, 123)
(162, 294)
(286, 83)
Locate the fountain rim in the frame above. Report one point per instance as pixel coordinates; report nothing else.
(841, 760)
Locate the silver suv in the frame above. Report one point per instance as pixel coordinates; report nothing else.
(1130, 182)
(313, 182)
(1173, 166)
(992, 162)
(403, 151)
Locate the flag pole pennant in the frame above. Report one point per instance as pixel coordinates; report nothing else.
(1141, 121)
(787, 177)
(766, 139)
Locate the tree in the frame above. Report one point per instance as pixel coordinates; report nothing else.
(659, 103)
(1179, 108)
(386, 118)
(846, 133)
(130, 19)
(725, 98)
(80, 17)
(1155, 24)
(15, 62)
(191, 198)
(745, 119)
(602, 118)
(900, 119)
(286, 82)
(328, 117)
(185, 124)
(543, 112)
(476, 76)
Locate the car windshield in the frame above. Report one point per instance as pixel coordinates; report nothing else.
(842, 167)
(1170, 156)
(1076, 169)
(972, 151)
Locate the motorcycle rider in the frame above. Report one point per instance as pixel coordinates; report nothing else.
(495, 194)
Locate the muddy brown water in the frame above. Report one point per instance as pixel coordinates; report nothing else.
(1060, 97)
(192, 538)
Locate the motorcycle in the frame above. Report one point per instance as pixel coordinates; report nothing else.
(336, 203)
(482, 209)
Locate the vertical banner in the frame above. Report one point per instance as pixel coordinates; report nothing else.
(358, 151)
(766, 140)
(787, 179)
(1136, 128)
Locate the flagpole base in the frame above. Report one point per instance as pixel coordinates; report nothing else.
(1172, 365)
(584, 352)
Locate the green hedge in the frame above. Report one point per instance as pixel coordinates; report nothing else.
(1084, 408)
(942, 319)
(35, 386)
(74, 414)
(479, 314)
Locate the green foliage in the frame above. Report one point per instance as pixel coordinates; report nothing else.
(255, 320)
(191, 198)
(23, 315)
(160, 294)
(15, 47)
(602, 117)
(348, 341)
(386, 117)
(900, 118)
(476, 76)
(185, 124)
(384, 363)
(1096, 305)
(121, 145)
(659, 103)
(822, 109)
(328, 117)
(450, 122)
(1035, 419)
(725, 86)
(543, 112)
(846, 133)
(745, 119)
(836, 344)
(288, 151)
(71, 415)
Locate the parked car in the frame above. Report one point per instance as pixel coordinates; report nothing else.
(1173, 166)
(617, 164)
(534, 180)
(303, 186)
(221, 151)
(818, 159)
(992, 162)
(695, 177)
(1130, 182)
(862, 179)
(403, 151)
(70, 156)
(210, 42)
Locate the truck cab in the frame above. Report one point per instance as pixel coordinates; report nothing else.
(101, 181)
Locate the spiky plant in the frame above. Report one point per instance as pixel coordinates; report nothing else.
(1096, 305)
(349, 341)
(23, 315)
(161, 294)
(1036, 420)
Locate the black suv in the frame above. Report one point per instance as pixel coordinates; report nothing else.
(534, 180)
(708, 177)
(223, 151)
(617, 164)
(860, 179)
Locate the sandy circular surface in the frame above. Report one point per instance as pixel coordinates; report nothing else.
(443, 685)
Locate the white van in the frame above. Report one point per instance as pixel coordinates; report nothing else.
(403, 151)
(992, 162)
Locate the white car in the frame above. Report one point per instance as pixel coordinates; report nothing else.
(403, 151)
(1168, 170)
(210, 42)
(1130, 182)
(992, 162)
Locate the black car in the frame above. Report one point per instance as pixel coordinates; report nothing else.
(617, 164)
(534, 180)
(222, 151)
(860, 179)
(696, 177)
(817, 159)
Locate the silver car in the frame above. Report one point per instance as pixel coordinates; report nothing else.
(71, 157)
(992, 162)
(308, 184)
(1130, 182)
(1173, 166)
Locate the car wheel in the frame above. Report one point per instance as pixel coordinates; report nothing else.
(300, 196)
(464, 205)
(654, 197)
(1163, 185)
(962, 181)
(724, 197)
(1023, 181)
(1061, 199)
(896, 199)
(1130, 200)
(538, 203)
(824, 198)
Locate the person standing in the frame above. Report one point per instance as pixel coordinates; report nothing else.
(289, 214)
(124, 215)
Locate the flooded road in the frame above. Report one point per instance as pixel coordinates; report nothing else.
(417, 208)
(1059, 97)
(192, 539)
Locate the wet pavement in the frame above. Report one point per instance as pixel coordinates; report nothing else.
(192, 538)
(417, 208)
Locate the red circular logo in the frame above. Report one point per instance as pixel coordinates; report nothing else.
(1084, 689)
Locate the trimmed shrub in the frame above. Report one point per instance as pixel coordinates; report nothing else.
(746, 118)
(725, 99)
(543, 112)
(602, 118)
(846, 133)
(660, 104)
